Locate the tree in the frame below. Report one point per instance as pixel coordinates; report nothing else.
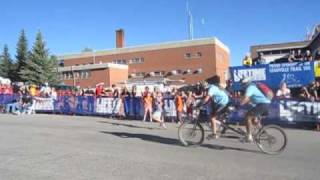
(87, 49)
(21, 57)
(6, 65)
(41, 67)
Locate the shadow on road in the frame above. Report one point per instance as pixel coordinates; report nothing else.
(219, 147)
(171, 141)
(145, 137)
(127, 125)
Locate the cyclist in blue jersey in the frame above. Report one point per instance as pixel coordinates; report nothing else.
(259, 102)
(220, 100)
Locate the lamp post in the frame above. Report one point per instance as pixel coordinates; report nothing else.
(94, 56)
(73, 78)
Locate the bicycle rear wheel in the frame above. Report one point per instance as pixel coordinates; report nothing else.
(271, 139)
(191, 133)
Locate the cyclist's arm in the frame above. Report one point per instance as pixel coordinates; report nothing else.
(245, 100)
(204, 101)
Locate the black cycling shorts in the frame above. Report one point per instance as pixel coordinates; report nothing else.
(259, 110)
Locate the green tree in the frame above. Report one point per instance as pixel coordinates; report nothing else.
(21, 57)
(41, 67)
(6, 64)
(87, 49)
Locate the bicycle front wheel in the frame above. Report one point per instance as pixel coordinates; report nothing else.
(271, 139)
(191, 133)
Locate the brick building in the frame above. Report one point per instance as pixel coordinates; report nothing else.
(189, 60)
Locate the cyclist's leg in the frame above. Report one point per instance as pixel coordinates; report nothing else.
(250, 117)
(216, 111)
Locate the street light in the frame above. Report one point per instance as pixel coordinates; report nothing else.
(94, 56)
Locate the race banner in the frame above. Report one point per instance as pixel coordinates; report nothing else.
(294, 74)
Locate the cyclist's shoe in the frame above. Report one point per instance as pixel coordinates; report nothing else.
(212, 136)
(247, 139)
(163, 125)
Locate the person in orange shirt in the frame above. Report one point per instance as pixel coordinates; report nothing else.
(179, 106)
(147, 102)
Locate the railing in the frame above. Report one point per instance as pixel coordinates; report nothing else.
(284, 111)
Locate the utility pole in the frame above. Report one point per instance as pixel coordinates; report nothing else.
(190, 22)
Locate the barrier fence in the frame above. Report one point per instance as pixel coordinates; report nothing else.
(281, 111)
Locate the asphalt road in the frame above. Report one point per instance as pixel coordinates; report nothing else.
(69, 147)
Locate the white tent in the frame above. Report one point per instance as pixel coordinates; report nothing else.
(5, 81)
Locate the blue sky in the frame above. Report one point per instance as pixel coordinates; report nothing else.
(70, 26)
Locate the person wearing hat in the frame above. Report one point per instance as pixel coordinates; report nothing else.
(220, 100)
(259, 101)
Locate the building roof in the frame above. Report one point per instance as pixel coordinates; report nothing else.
(92, 66)
(287, 45)
(150, 47)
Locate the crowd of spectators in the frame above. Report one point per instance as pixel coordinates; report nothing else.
(294, 56)
(22, 97)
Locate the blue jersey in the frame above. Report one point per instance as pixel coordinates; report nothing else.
(255, 95)
(218, 95)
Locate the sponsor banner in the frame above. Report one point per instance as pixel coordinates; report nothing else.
(294, 74)
(43, 104)
(282, 111)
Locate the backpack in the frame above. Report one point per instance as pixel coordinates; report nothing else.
(266, 91)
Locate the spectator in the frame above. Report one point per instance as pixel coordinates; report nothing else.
(53, 94)
(291, 57)
(308, 56)
(189, 103)
(146, 91)
(125, 103)
(247, 61)
(26, 102)
(283, 92)
(147, 102)
(313, 90)
(158, 115)
(179, 106)
(298, 57)
(134, 101)
(89, 93)
(199, 91)
(260, 59)
(116, 101)
(304, 94)
(99, 90)
(45, 90)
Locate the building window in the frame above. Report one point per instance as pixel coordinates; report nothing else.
(138, 60)
(140, 74)
(198, 71)
(193, 56)
(119, 61)
(76, 75)
(159, 73)
(187, 55)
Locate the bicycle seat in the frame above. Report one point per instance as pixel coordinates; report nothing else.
(264, 115)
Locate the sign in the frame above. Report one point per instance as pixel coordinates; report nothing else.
(294, 74)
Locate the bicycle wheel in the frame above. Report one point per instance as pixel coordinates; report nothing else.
(191, 133)
(271, 139)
